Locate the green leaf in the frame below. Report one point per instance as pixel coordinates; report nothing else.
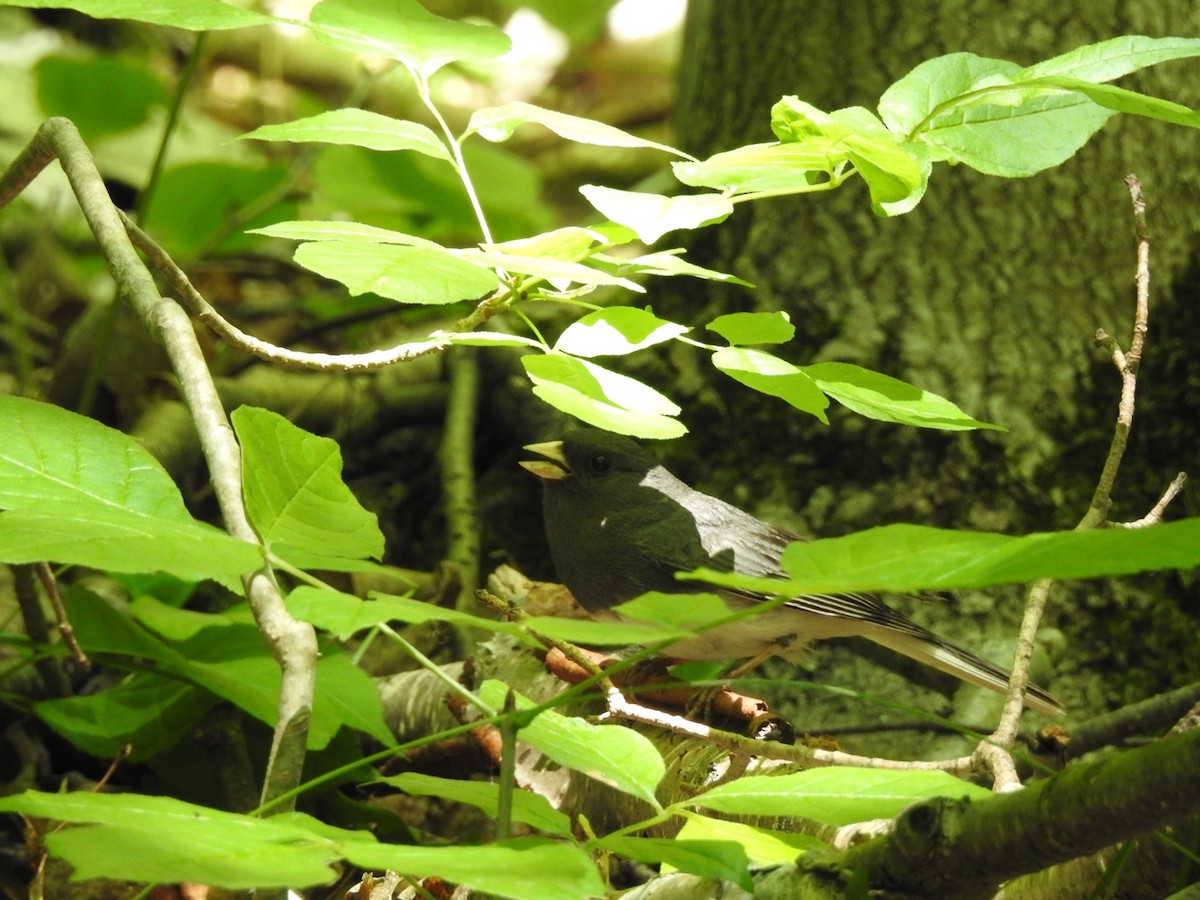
(1113, 58)
(602, 397)
(720, 860)
(764, 846)
(603, 634)
(103, 537)
(194, 15)
(102, 96)
(615, 332)
(906, 559)
(668, 262)
(497, 123)
(148, 712)
(776, 168)
(686, 612)
(558, 272)
(419, 275)
(404, 30)
(834, 795)
(50, 456)
(1016, 142)
(612, 754)
(358, 127)
(771, 375)
(295, 496)
(571, 243)
(528, 807)
(938, 82)
(653, 215)
(344, 615)
(315, 230)
(888, 399)
(1124, 101)
(754, 327)
(490, 339)
(159, 839)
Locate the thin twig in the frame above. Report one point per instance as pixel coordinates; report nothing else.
(198, 306)
(457, 459)
(50, 586)
(1097, 513)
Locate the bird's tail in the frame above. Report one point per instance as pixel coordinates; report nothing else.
(931, 650)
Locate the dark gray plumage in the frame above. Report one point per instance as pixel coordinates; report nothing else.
(619, 525)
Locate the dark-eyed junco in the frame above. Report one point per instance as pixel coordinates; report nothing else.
(620, 525)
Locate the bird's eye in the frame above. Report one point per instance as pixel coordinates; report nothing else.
(599, 464)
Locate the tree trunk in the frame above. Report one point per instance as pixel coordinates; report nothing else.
(988, 293)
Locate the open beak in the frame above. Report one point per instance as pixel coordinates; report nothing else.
(554, 467)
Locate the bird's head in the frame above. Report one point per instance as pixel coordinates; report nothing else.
(589, 459)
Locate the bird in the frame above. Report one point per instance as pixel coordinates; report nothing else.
(620, 525)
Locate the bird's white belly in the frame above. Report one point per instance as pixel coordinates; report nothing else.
(789, 630)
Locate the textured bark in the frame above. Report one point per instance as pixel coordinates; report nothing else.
(988, 294)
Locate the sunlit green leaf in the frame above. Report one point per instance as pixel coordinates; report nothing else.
(497, 123)
(754, 327)
(762, 845)
(315, 230)
(771, 375)
(527, 806)
(778, 168)
(1113, 58)
(295, 496)
(195, 15)
(612, 754)
(834, 795)
(404, 30)
(616, 331)
(668, 262)
(718, 860)
(419, 275)
(358, 127)
(888, 399)
(907, 559)
(653, 215)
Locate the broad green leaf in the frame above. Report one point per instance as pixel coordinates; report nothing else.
(571, 243)
(686, 612)
(1121, 100)
(603, 634)
(668, 262)
(1016, 141)
(194, 15)
(608, 416)
(1113, 58)
(159, 839)
(50, 456)
(404, 30)
(754, 327)
(776, 168)
(344, 615)
(527, 806)
(490, 339)
(616, 331)
(174, 624)
(558, 272)
(834, 795)
(523, 869)
(771, 375)
(854, 134)
(936, 82)
(295, 496)
(148, 712)
(888, 399)
(720, 860)
(104, 537)
(359, 127)
(314, 230)
(418, 275)
(763, 846)
(612, 754)
(910, 558)
(653, 215)
(497, 123)
(102, 96)
(602, 397)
